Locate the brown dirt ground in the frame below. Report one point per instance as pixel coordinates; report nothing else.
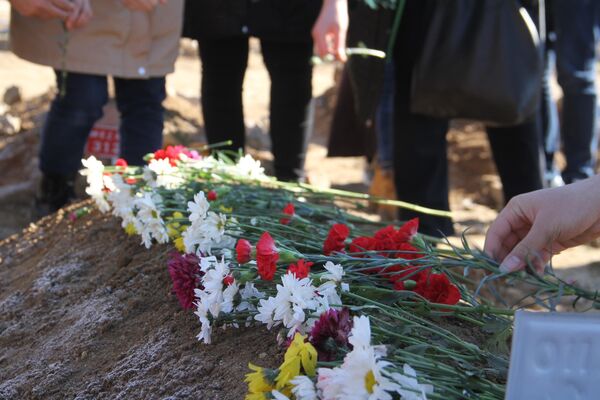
(86, 312)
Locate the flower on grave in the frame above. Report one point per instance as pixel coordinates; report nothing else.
(364, 375)
(185, 274)
(260, 382)
(266, 257)
(295, 297)
(437, 288)
(336, 238)
(299, 357)
(211, 195)
(301, 268)
(290, 210)
(96, 180)
(243, 251)
(330, 333)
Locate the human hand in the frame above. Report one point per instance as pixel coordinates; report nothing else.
(44, 9)
(80, 16)
(143, 5)
(534, 226)
(329, 31)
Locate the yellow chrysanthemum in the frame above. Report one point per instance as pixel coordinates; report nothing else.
(179, 245)
(226, 209)
(258, 382)
(130, 229)
(299, 355)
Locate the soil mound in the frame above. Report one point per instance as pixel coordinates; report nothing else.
(86, 312)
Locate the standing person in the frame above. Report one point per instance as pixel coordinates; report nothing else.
(222, 28)
(577, 29)
(420, 162)
(136, 42)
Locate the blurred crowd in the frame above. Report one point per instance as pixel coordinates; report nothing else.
(493, 63)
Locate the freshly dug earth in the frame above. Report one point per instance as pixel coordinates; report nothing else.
(86, 312)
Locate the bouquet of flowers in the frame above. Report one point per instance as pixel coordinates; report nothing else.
(366, 310)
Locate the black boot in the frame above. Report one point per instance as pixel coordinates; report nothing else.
(55, 192)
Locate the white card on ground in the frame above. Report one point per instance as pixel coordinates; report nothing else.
(555, 356)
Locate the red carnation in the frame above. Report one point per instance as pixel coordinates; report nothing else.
(437, 288)
(185, 274)
(406, 251)
(330, 334)
(335, 239)
(228, 280)
(362, 244)
(160, 154)
(407, 231)
(386, 239)
(290, 210)
(300, 269)
(131, 181)
(415, 274)
(211, 195)
(243, 249)
(121, 162)
(266, 257)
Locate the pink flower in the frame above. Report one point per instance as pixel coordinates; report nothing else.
(185, 274)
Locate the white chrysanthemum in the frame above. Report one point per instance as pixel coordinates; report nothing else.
(213, 297)
(152, 225)
(167, 176)
(205, 329)
(249, 168)
(213, 227)
(94, 173)
(408, 386)
(361, 375)
(329, 296)
(360, 335)
(293, 297)
(335, 272)
(304, 388)
(266, 309)
(198, 208)
(247, 293)
(121, 198)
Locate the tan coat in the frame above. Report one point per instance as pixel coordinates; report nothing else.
(117, 41)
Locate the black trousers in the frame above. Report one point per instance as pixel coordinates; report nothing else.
(420, 159)
(224, 63)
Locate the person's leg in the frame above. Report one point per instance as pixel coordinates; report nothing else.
(384, 121)
(576, 34)
(224, 64)
(519, 157)
(290, 69)
(64, 134)
(142, 115)
(420, 161)
(550, 125)
(70, 119)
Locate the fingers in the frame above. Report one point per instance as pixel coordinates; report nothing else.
(339, 45)
(320, 40)
(533, 250)
(51, 11)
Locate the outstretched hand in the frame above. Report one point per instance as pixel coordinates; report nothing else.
(329, 31)
(534, 226)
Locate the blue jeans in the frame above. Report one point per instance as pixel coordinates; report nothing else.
(73, 114)
(384, 120)
(577, 25)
